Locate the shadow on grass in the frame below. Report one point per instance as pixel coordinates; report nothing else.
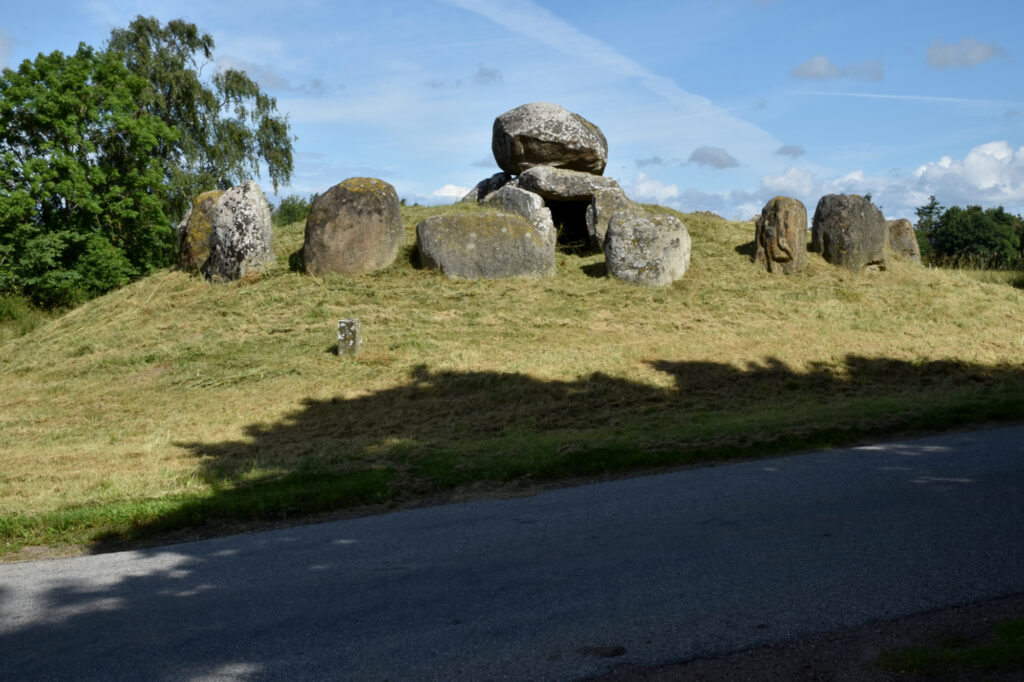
(444, 431)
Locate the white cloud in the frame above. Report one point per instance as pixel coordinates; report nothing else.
(450, 192)
(819, 68)
(647, 189)
(991, 173)
(965, 54)
(823, 68)
(716, 157)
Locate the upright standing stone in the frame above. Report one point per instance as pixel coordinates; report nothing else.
(354, 227)
(350, 337)
(781, 236)
(850, 231)
(543, 134)
(903, 239)
(195, 232)
(605, 204)
(242, 235)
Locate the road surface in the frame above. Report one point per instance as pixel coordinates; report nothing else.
(559, 586)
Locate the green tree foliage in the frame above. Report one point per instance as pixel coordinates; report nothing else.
(927, 218)
(293, 208)
(228, 127)
(81, 190)
(990, 237)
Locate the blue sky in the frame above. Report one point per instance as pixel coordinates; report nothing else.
(707, 104)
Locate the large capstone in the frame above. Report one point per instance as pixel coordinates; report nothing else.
(903, 240)
(195, 232)
(644, 248)
(241, 241)
(354, 227)
(489, 245)
(543, 134)
(849, 231)
(781, 236)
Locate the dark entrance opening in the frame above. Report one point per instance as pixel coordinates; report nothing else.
(570, 219)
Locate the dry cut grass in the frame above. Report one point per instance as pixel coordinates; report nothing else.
(153, 403)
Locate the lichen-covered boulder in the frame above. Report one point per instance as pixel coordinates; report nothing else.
(527, 204)
(242, 239)
(649, 249)
(354, 227)
(489, 245)
(196, 231)
(486, 186)
(562, 184)
(903, 239)
(606, 202)
(781, 236)
(543, 134)
(850, 231)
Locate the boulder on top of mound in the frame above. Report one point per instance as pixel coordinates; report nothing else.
(490, 245)
(606, 202)
(903, 239)
(849, 231)
(486, 186)
(196, 231)
(562, 184)
(544, 134)
(241, 242)
(354, 227)
(781, 236)
(650, 249)
(511, 199)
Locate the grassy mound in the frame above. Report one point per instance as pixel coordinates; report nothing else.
(174, 403)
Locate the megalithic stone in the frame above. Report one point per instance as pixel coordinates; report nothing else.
(350, 337)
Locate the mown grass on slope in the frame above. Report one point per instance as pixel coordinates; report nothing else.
(174, 402)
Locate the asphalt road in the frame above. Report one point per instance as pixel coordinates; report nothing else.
(560, 586)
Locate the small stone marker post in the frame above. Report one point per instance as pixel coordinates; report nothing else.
(350, 337)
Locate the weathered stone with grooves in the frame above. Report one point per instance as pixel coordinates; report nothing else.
(195, 232)
(781, 236)
(850, 231)
(563, 184)
(350, 337)
(354, 227)
(527, 204)
(486, 186)
(604, 204)
(543, 134)
(242, 239)
(903, 239)
(488, 245)
(649, 249)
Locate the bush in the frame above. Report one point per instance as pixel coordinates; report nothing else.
(293, 209)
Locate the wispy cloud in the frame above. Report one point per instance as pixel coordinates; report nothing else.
(482, 77)
(791, 150)
(912, 98)
(965, 54)
(270, 80)
(823, 68)
(715, 157)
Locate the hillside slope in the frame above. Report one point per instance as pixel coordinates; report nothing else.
(151, 408)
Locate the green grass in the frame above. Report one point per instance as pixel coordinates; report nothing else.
(174, 405)
(954, 655)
